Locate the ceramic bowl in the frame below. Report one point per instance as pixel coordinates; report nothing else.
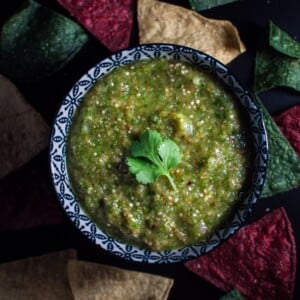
(59, 136)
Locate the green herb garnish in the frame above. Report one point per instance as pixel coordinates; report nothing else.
(153, 156)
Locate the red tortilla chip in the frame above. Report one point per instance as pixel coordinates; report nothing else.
(110, 21)
(27, 199)
(259, 260)
(289, 123)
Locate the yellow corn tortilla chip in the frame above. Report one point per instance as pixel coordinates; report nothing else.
(93, 281)
(161, 22)
(37, 278)
(23, 133)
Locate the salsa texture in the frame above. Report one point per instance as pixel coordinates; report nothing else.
(184, 104)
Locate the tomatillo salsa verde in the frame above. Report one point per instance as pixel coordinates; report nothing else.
(183, 104)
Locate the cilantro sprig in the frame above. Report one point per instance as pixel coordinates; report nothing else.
(152, 156)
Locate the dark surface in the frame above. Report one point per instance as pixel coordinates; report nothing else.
(250, 17)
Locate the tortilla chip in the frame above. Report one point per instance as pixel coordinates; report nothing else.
(42, 277)
(283, 172)
(110, 21)
(289, 123)
(259, 260)
(96, 281)
(277, 65)
(199, 5)
(233, 295)
(161, 22)
(282, 42)
(27, 198)
(23, 133)
(36, 42)
(273, 69)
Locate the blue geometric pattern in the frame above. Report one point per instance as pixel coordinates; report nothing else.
(58, 152)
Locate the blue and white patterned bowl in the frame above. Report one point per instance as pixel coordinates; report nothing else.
(63, 121)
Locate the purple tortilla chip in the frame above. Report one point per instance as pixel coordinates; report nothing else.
(289, 123)
(110, 21)
(259, 260)
(27, 199)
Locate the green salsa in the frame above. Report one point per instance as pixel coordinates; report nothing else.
(184, 104)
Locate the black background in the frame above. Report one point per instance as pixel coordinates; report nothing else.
(250, 17)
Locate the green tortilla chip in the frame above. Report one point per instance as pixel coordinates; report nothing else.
(233, 295)
(37, 42)
(283, 173)
(277, 65)
(278, 69)
(282, 42)
(274, 69)
(199, 5)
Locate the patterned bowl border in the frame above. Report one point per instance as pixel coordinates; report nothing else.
(58, 152)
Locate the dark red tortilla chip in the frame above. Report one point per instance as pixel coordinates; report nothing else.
(110, 21)
(289, 123)
(27, 199)
(259, 260)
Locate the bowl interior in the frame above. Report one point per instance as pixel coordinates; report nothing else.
(58, 152)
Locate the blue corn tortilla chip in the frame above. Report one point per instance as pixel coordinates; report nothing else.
(37, 42)
(199, 5)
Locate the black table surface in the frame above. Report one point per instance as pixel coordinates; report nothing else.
(250, 17)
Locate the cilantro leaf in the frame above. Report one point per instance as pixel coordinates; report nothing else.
(147, 146)
(144, 171)
(169, 153)
(153, 156)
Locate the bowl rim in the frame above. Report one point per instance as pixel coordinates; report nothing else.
(59, 135)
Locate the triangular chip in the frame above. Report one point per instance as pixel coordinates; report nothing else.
(277, 65)
(36, 42)
(283, 172)
(97, 281)
(161, 22)
(282, 42)
(259, 260)
(42, 277)
(27, 198)
(233, 295)
(110, 21)
(289, 123)
(208, 4)
(274, 69)
(23, 133)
